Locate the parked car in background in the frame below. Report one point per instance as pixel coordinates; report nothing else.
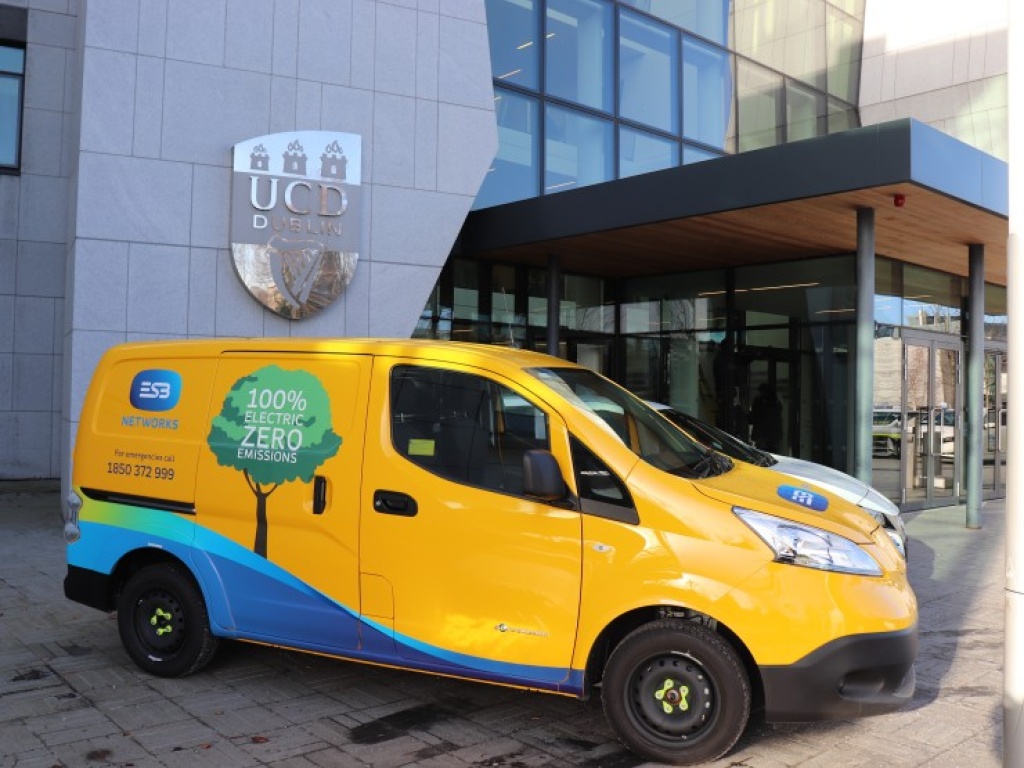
(886, 432)
(839, 483)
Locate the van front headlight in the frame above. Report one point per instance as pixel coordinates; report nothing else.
(799, 544)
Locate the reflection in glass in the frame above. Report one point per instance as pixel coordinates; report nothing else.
(648, 72)
(697, 155)
(932, 300)
(512, 27)
(786, 36)
(577, 149)
(759, 96)
(888, 293)
(818, 290)
(707, 94)
(585, 305)
(695, 301)
(995, 312)
(10, 119)
(514, 173)
(805, 112)
(707, 18)
(578, 47)
(12, 71)
(641, 152)
(844, 38)
(841, 116)
(467, 289)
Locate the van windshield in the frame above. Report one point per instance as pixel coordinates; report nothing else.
(633, 422)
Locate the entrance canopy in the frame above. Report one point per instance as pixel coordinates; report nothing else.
(777, 204)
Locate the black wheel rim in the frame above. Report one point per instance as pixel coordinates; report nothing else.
(160, 621)
(672, 697)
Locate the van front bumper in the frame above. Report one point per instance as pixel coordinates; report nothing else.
(849, 677)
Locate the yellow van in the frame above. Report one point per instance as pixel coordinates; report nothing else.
(480, 512)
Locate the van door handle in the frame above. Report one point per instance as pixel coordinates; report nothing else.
(394, 503)
(319, 494)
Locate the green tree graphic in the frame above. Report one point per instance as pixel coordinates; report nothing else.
(274, 426)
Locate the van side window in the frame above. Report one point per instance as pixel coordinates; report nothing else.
(464, 427)
(602, 493)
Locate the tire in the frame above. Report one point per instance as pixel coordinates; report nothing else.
(675, 692)
(162, 619)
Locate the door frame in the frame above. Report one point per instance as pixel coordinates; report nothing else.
(933, 342)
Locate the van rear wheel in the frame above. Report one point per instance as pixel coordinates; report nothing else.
(162, 620)
(676, 692)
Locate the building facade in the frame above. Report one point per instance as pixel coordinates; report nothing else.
(483, 130)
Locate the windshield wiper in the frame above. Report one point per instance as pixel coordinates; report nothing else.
(703, 467)
(723, 463)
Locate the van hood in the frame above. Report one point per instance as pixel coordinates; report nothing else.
(765, 490)
(832, 480)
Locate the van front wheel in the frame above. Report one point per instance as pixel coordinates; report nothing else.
(676, 692)
(162, 620)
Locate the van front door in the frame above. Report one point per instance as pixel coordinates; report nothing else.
(459, 571)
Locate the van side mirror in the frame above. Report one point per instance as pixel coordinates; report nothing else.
(542, 477)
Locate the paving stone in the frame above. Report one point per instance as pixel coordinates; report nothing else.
(68, 691)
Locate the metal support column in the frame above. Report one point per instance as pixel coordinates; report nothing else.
(864, 362)
(554, 303)
(974, 380)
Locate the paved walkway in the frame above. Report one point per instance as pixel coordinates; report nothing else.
(70, 697)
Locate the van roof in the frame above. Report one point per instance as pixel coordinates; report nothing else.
(447, 351)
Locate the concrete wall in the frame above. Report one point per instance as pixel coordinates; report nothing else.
(33, 248)
(943, 62)
(128, 185)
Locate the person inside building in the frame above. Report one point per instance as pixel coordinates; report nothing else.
(766, 419)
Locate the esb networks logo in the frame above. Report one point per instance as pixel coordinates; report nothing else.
(156, 389)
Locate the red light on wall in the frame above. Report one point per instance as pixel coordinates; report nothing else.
(899, 200)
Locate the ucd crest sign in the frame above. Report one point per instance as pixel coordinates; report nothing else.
(295, 222)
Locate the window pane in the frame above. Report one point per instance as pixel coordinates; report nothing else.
(785, 36)
(695, 301)
(814, 290)
(888, 293)
(578, 149)
(696, 155)
(585, 306)
(447, 422)
(512, 26)
(760, 95)
(995, 312)
(708, 18)
(931, 299)
(649, 73)
(805, 112)
(707, 93)
(853, 7)
(12, 60)
(841, 116)
(844, 53)
(578, 43)
(641, 152)
(10, 120)
(514, 173)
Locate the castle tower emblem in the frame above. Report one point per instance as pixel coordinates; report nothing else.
(333, 162)
(259, 158)
(295, 159)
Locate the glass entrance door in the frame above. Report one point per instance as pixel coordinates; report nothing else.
(930, 456)
(993, 441)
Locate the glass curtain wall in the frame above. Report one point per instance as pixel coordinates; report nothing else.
(592, 90)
